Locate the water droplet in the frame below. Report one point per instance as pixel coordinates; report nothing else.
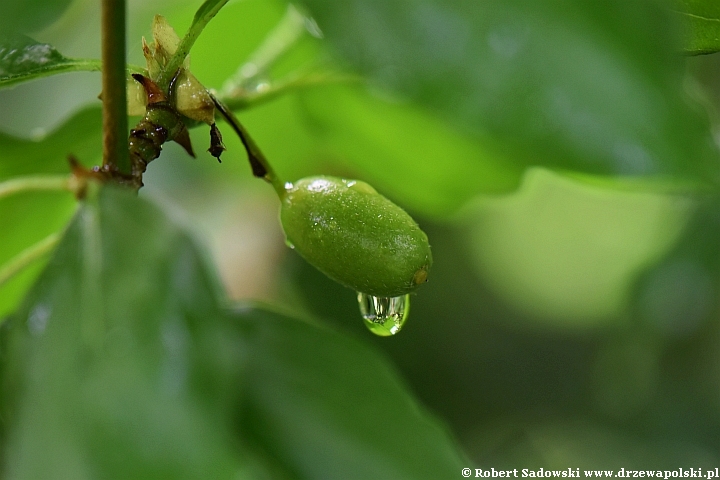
(262, 87)
(384, 316)
(289, 243)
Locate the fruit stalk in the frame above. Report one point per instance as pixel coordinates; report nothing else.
(260, 166)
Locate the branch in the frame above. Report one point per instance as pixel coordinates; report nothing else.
(115, 128)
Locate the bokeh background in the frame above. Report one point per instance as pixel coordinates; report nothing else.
(560, 156)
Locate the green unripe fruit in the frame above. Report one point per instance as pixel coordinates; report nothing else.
(355, 236)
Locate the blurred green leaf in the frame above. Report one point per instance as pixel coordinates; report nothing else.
(677, 297)
(205, 13)
(588, 86)
(79, 136)
(409, 155)
(535, 247)
(329, 407)
(581, 443)
(23, 59)
(228, 40)
(119, 345)
(701, 24)
(28, 218)
(29, 15)
(121, 364)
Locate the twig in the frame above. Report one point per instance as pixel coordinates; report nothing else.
(38, 183)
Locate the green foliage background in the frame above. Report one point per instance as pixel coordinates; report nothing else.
(560, 155)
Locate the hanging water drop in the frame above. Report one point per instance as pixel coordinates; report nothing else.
(384, 316)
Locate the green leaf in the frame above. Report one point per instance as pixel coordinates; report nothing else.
(534, 248)
(79, 136)
(701, 26)
(554, 444)
(28, 218)
(121, 364)
(122, 333)
(587, 86)
(407, 154)
(327, 406)
(23, 59)
(29, 15)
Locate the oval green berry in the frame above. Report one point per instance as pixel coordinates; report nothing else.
(355, 236)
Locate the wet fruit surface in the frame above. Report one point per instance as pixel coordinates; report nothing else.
(355, 236)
